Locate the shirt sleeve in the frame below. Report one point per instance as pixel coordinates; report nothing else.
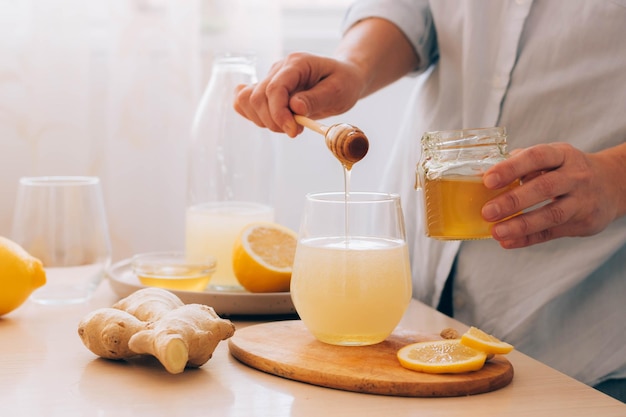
(412, 17)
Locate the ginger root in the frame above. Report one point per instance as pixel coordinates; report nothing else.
(450, 333)
(154, 321)
(106, 332)
(149, 304)
(186, 336)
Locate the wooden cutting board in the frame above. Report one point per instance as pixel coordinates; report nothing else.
(287, 349)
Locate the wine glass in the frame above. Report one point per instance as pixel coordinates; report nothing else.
(351, 280)
(61, 221)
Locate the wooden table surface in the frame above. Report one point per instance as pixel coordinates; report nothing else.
(46, 371)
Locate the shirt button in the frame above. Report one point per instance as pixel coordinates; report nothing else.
(458, 301)
(500, 81)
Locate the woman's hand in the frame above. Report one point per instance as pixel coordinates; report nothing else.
(578, 194)
(302, 83)
(372, 54)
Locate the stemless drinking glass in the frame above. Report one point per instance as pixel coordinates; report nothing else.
(351, 280)
(61, 221)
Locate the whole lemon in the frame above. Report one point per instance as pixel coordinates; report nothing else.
(20, 275)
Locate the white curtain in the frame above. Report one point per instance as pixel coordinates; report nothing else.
(108, 88)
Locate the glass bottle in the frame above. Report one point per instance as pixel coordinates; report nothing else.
(450, 174)
(231, 171)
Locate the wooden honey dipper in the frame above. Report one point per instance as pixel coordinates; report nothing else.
(348, 143)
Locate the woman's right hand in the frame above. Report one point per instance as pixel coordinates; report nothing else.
(372, 54)
(310, 85)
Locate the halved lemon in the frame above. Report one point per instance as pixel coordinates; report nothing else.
(263, 257)
(487, 343)
(441, 356)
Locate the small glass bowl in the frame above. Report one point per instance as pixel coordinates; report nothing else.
(172, 271)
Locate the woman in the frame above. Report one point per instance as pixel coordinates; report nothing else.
(554, 74)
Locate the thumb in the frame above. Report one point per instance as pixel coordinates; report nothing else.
(327, 98)
(315, 104)
(299, 104)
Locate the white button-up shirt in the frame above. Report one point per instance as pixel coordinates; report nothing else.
(548, 71)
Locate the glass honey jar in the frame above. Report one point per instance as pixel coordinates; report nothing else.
(450, 174)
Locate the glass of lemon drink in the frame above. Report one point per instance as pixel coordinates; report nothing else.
(351, 279)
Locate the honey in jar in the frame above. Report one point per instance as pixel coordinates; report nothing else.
(450, 174)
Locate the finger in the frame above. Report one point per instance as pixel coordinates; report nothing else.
(243, 107)
(527, 178)
(537, 190)
(543, 157)
(329, 97)
(539, 237)
(252, 101)
(294, 76)
(547, 217)
(529, 240)
(260, 103)
(278, 94)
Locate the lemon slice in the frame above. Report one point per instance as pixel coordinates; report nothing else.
(441, 356)
(487, 343)
(263, 257)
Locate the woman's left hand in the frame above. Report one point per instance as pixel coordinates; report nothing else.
(564, 192)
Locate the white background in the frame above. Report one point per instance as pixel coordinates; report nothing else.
(108, 88)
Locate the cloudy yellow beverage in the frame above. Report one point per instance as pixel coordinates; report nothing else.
(212, 228)
(351, 291)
